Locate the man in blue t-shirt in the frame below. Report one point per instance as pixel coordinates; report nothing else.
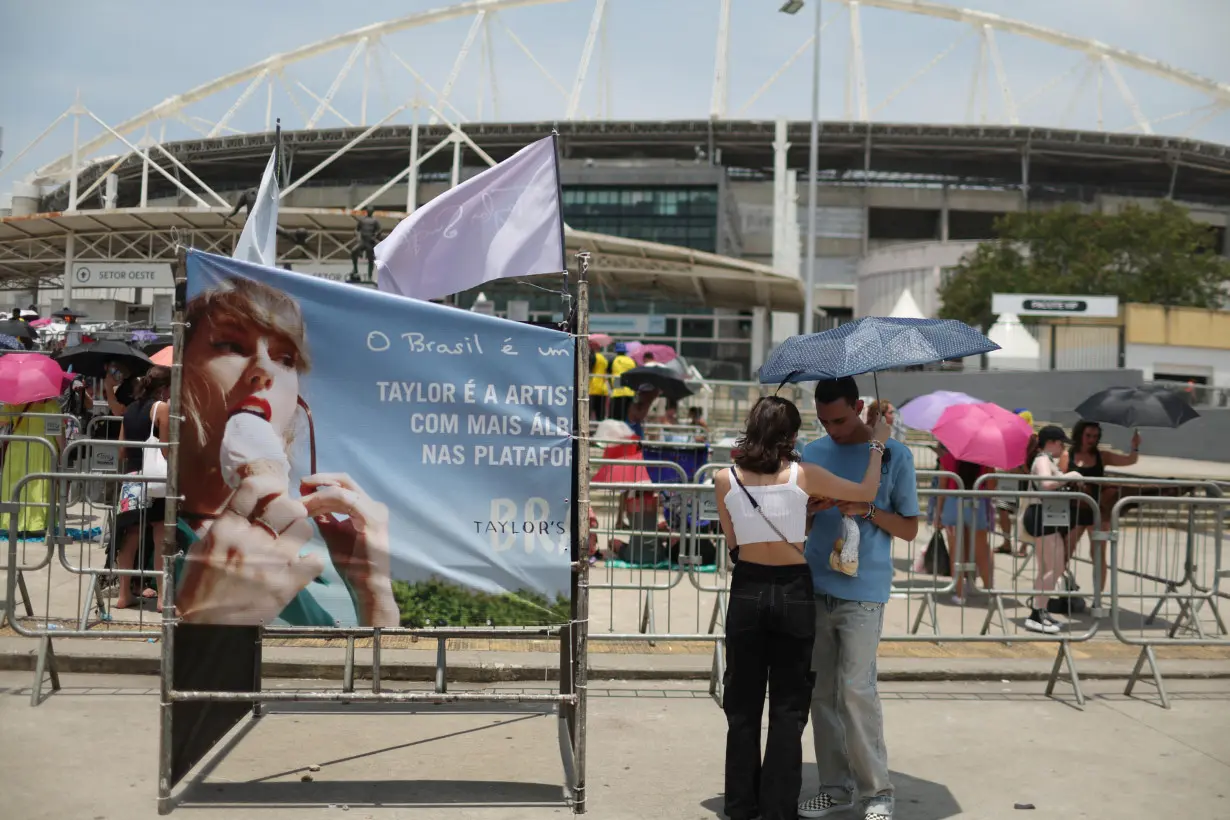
(847, 723)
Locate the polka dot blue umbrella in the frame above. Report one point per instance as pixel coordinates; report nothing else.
(869, 345)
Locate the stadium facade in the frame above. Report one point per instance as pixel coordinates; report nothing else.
(694, 226)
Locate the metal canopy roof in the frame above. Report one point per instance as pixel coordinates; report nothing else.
(33, 247)
(1062, 163)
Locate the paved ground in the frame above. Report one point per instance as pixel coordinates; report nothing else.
(958, 750)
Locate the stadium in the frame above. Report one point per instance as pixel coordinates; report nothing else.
(696, 226)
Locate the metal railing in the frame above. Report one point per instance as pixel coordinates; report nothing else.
(664, 568)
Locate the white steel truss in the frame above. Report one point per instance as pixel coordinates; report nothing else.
(579, 96)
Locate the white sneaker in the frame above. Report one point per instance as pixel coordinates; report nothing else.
(1039, 622)
(822, 805)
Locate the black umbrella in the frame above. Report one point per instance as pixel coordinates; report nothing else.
(17, 329)
(90, 359)
(1137, 407)
(661, 378)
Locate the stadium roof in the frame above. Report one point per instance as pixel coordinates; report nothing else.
(34, 247)
(1061, 164)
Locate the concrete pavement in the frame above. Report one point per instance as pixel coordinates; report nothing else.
(958, 750)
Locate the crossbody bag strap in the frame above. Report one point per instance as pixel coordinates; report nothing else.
(756, 507)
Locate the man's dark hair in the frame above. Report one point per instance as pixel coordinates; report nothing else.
(831, 390)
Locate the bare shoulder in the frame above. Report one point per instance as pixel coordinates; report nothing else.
(721, 479)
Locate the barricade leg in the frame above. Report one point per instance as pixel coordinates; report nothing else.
(1187, 612)
(441, 665)
(1200, 604)
(927, 608)
(376, 662)
(567, 712)
(717, 672)
(1064, 657)
(1172, 591)
(1022, 565)
(348, 666)
(1147, 654)
(995, 606)
(45, 665)
(93, 599)
(24, 592)
(648, 626)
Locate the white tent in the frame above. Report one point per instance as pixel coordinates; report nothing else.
(906, 307)
(1019, 350)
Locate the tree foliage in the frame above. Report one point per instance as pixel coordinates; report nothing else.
(437, 603)
(1153, 255)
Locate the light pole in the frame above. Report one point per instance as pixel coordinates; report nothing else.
(813, 162)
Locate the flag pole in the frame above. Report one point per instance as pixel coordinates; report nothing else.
(579, 632)
(277, 153)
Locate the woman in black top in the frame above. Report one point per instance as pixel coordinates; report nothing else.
(147, 413)
(1087, 458)
(120, 391)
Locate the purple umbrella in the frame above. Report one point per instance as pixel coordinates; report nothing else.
(924, 412)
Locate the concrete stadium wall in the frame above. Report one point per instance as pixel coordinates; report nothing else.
(1053, 395)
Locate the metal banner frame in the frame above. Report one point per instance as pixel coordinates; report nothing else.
(571, 700)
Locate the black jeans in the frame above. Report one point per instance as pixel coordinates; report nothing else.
(770, 631)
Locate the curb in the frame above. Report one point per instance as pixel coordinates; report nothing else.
(99, 664)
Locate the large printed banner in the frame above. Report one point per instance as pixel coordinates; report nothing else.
(350, 457)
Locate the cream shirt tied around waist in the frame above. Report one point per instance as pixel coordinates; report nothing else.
(785, 505)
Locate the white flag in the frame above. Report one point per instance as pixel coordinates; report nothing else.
(259, 241)
(503, 222)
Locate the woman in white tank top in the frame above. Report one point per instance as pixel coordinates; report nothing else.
(771, 617)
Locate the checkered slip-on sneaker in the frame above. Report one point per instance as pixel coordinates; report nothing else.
(878, 811)
(822, 805)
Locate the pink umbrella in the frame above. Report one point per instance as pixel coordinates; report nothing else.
(923, 412)
(984, 434)
(40, 322)
(164, 357)
(29, 377)
(661, 353)
(599, 339)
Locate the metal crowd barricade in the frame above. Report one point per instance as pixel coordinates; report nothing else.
(1202, 568)
(65, 614)
(635, 532)
(92, 508)
(918, 610)
(998, 597)
(17, 567)
(1169, 567)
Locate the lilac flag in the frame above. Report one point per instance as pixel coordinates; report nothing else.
(502, 223)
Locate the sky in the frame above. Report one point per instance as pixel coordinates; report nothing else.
(125, 56)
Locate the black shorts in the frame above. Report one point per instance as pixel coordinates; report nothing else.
(153, 514)
(1082, 514)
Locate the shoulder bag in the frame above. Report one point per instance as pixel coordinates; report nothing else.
(153, 460)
